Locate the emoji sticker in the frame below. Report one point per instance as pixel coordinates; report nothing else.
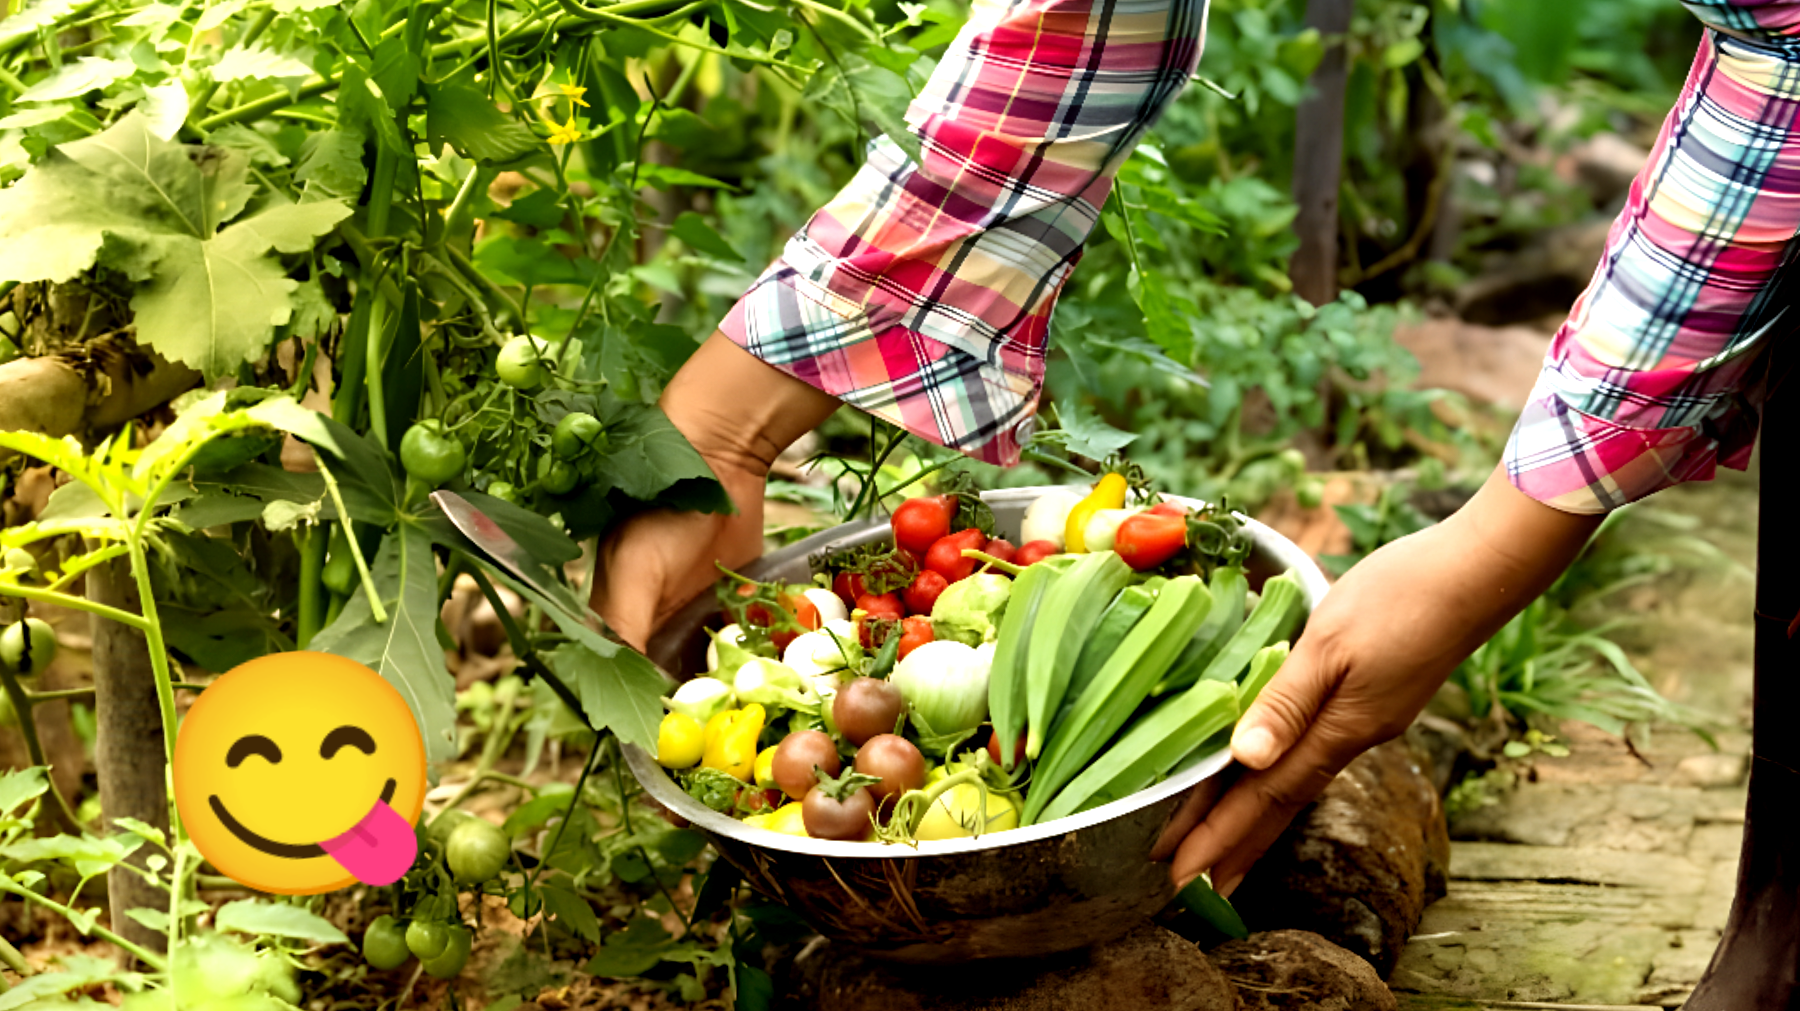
(301, 773)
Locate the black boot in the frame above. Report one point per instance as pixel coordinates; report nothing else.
(1757, 965)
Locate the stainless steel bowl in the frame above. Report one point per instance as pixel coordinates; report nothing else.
(1029, 892)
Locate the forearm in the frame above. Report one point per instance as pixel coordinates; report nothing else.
(739, 413)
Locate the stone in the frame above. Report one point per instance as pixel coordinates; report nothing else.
(1282, 969)
(1151, 969)
(1712, 771)
(1361, 863)
(1489, 365)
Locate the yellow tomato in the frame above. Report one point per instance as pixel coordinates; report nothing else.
(960, 812)
(679, 741)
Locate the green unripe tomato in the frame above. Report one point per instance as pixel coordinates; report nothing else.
(1292, 460)
(455, 955)
(558, 477)
(523, 362)
(28, 646)
(1310, 493)
(20, 559)
(504, 491)
(575, 434)
(429, 455)
(339, 574)
(438, 833)
(427, 939)
(476, 851)
(384, 944)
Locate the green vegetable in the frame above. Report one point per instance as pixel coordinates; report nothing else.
(1120, 687)
(522, 361)
(438, 832)
(339, 574)
(384, 944)
(1274, 619)
(1200, 899)
(1006, 679)
(431, 456)
(1229, 590)
(717, 790)
(1262, 669)
(1120, 618)
(969, 609)
(454, 956)
(426, 939)
(557, 477)
(1067, 614)
(576, 434)
(945, 685)
(772, 683)
(476, 851)
(504, 491)
(27, 647)
(1154, 745)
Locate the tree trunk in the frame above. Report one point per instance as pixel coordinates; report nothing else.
(1319, 156)
(128, 752)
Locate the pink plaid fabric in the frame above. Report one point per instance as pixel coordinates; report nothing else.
(922, 293)
(1655, 377)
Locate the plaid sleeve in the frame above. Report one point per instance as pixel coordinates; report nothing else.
(922, 292)
(1652, 380)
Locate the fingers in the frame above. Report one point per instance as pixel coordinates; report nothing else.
(1255, 811)
(1282, 712)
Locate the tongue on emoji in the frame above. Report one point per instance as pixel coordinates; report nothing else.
(379, 850)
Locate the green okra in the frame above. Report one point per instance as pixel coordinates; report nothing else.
(1065, 621)
(1262, 669)
(1230, 590)
(1120, 618)
(1154, 745)
(1275, 618)
(1006, 674)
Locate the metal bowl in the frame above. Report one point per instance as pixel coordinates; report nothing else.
(1033, 891)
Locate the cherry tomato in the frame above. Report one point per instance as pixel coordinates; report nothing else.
(557, 477)
(476, 851)
(1147, 540)
(895, 761)
(993, 749)
(826, 817)
(28, 646)
(430, 455)
(923, 592)
(384, 944)
(946, 559)
(1002, 549)
(521, 363)
(1033, 552)
(882, 606)
(915, 631)
(920, 522)
(1167, 509)
(455, 955)
(798, 754)
(575, 434)
(849, 586)
(868, 707)
(426, 939)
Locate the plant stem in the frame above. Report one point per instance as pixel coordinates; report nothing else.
(312, 586)
(125, 618)
(10, 957)
(148, 957)
(263, 106)
(264, 18)
(376, 610)
(60, 695)
(34, 749)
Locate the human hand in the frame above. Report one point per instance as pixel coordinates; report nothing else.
(739, 414)
(1373, 653)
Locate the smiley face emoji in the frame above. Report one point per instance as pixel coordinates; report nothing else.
(300, 773)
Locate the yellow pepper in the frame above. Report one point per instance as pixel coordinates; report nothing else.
(787, 818)
(765, 767)
(1109, 493)
(679, 741)
(731, 741)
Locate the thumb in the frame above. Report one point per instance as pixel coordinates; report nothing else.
(1284, 709)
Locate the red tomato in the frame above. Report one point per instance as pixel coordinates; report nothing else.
(993, 744)
(1147, 540)
(915, 632)
(755, 614)
(882, 606)
(1167, 509)
(919, 522)
(915, 560)
(849, 586)
(1034, 551)
(924, 591)
(1002, 549)
(946, 559)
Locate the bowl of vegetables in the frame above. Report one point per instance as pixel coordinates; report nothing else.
(973, 731)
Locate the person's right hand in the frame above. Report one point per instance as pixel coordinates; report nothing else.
(739, 414)
(1373, 653)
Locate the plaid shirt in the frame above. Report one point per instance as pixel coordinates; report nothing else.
(1656, 376)
(922, 293)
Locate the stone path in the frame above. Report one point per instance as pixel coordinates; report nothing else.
(1603, 879)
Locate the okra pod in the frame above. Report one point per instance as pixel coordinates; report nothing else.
(1262, 669)
(1070, 610)
(1006, 675)
(1120, 687)
(1229, 589)
(1153, 746)
(1118, 621)
(1275, 618)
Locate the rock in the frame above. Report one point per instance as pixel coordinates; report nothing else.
(1150, 969)
(1489, 365)
(1711, 771)
(1361, 863)
(1283, 969)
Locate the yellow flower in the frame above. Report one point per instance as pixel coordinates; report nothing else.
(573, 93)
(567, 133)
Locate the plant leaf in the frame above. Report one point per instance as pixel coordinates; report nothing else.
(89, 73)
(268, 919)
(620, 690)
(460, 115)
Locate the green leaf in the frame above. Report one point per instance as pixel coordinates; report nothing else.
(89, 73)
(539, 209)
(621, 691)
(692, 229)
(268, 919)
(647, 452)
(573, 912)
(632, 951)
(331, 165)
(20, 787)
(214, 304)
(510, 259)
(259, 65)
(668, 176)
(88, 855)
(405, 650)
(1215, 909)
(165, 108)
(460, 115)
(1085, 433)
(755, 989)
(78, 972)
